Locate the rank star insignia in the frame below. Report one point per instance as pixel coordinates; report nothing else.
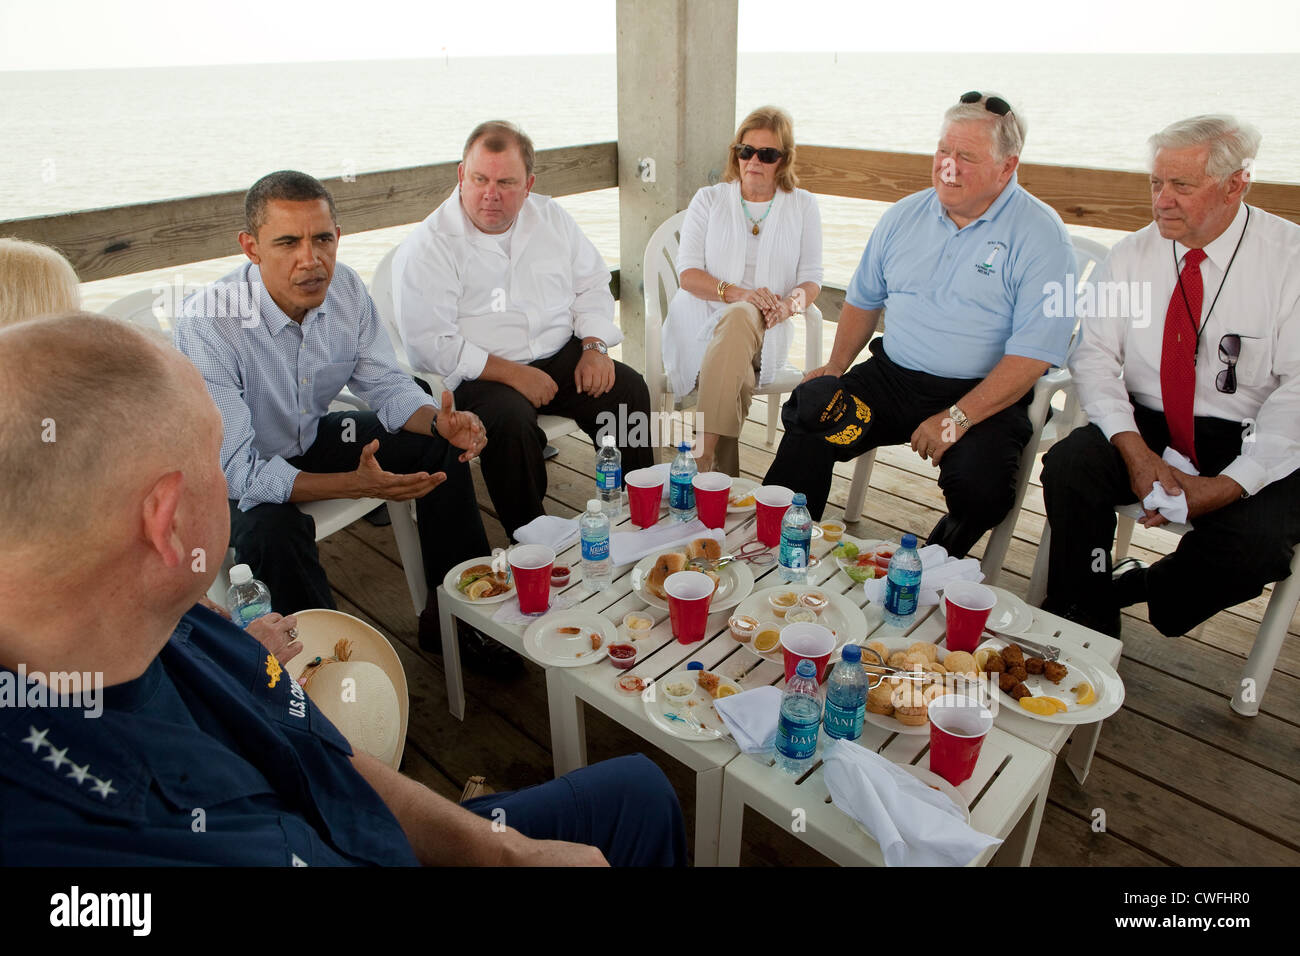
(79, 773)
(36, 738)
(273, 670)
(103, 787)
(57, 757)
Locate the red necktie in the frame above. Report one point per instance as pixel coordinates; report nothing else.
(1178, 358)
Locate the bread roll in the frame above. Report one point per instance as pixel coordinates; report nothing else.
(704, 548)
(667, 564)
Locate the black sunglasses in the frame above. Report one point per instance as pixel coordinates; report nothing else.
(994, 104)
(767, 154)
(1229, 352)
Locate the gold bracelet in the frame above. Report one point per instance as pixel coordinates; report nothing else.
(722, 290)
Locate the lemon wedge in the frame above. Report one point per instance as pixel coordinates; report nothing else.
(1084, 694)
(726, 690)
(1044, 706)
(982, 658)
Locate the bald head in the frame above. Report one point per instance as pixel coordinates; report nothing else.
(90, 408)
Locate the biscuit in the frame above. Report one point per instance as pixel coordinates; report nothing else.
(925, 647)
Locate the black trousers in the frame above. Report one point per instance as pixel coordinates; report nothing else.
(977, 474)
(279, 542)
(1227, 557)
(513, 466)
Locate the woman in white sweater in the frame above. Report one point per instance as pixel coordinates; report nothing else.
(750, 258)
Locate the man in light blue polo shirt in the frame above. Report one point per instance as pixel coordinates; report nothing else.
(967, 270)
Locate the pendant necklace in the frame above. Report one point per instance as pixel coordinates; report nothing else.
(745, 207)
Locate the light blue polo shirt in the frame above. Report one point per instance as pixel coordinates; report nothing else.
(957, 301)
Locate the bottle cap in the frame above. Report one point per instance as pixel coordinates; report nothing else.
(799, 499)
(608, 441)
(806, 668)
(683, 448)
(695, 666)
(241, 574)
(909, 541)
(593, 506)
(851, 653)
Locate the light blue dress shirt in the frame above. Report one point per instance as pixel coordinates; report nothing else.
(273, 379)
(958, 300)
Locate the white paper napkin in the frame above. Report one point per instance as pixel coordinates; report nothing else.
(509, 613)
(555, 533)
(934, 577)
(628, 546)
(751, 716)
(914, 825)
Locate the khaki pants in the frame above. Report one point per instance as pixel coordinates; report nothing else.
(727, 380)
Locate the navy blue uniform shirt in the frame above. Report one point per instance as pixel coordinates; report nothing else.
(212, 756)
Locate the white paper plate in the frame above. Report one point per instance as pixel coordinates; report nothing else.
(735, 582)
(1083, 665)
(546, 645)
(842, 616)
(699, 705)
(449, 583)
(1010, 615)
(741, 486)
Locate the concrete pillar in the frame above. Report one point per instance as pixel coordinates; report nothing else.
(676, 109)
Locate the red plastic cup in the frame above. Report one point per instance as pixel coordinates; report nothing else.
(807, 642)
(771, 502)
(712, 489)
(958, 726)
(689, 595)
(645, 489)
(531, 565)
(967, 605)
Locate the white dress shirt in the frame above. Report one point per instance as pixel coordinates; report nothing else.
(717, 238)
(1119, 353)
(460, 296)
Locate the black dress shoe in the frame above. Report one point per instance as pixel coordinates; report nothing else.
(1095, 619)
(1130, 577)
(479, 653)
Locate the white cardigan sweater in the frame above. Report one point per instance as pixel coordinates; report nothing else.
(713, 239)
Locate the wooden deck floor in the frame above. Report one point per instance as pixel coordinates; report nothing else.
(1182, 780)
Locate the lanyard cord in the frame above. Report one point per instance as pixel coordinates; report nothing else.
(1173, 247)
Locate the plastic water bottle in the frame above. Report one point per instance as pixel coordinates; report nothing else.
(846, 696)
(796, 541)
(248, 598)
(801, 716)
(903, 585)
(609, 478)
(594, 529)
(681, 493)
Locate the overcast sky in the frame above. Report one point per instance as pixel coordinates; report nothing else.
(69, 34)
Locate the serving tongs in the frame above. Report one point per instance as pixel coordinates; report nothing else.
(920, 677)
(1048, 652)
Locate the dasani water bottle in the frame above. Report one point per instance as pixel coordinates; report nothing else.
(801, 716)
(681, 493)
(903, 585)
(796, 541)
(846, 696)
(247, 599)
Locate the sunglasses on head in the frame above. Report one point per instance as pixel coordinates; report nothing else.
(1229, 352)
(767, 154)
(994, 104)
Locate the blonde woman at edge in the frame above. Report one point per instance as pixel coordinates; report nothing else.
(34, 280)
(750, 258)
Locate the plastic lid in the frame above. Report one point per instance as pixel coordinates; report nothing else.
(851, 653)
(608, 441)
(806, 668)
(695, 666)
(683, 447)
(241, 574)
(909, 541)
(593, 505)
(799, 500)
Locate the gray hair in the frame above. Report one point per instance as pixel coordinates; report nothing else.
(1008, 131)
(1233, 144)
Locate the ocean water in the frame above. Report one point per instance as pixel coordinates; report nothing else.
(83, 139)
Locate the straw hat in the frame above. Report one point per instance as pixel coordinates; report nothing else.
(359, 685)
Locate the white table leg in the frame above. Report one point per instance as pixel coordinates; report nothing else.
(451, 658)
(1018, 848)
(1083, 745)
(568, 725)
(708, 816)
(730, 824)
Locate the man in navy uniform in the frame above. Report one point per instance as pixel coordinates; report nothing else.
(99, 571)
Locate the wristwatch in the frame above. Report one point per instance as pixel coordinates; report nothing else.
(598, 345)
(959, 417)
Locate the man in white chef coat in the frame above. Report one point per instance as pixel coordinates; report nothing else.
(500, 293)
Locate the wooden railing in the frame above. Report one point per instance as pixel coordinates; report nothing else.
(120, 240)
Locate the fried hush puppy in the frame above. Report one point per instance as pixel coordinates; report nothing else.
(1034, 665)
(1013, 655)
(1054, 671)
(1018, 672)
(1018, 691)
(995, 664)
(1006, 681)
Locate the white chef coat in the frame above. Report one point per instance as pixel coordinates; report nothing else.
(1120, 353)
(460, 296)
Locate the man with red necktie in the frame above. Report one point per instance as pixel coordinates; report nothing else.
(1195, 407)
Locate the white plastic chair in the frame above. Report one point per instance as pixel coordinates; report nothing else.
(381, 290)
(661, 284)
(145, 309)
(1088, 254)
